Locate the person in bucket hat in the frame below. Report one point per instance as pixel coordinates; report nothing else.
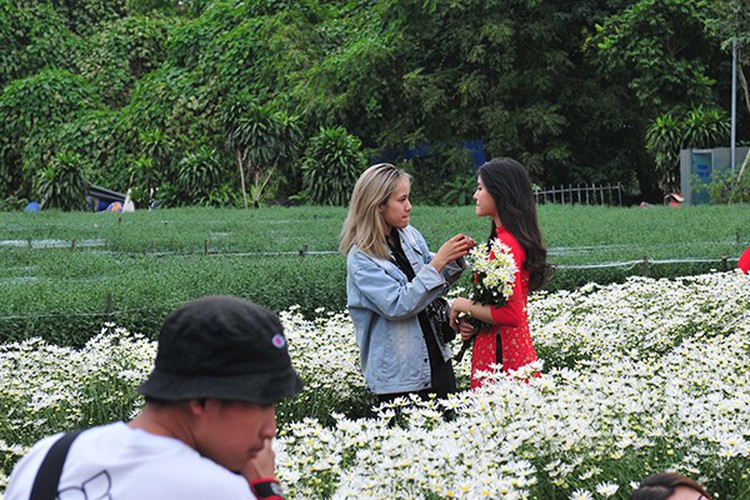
(206, 428)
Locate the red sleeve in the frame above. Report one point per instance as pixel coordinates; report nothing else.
(744, 263)
(511, 314)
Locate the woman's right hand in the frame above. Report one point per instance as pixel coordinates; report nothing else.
(453, 249)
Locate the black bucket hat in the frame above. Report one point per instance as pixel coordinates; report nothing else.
(222, 347)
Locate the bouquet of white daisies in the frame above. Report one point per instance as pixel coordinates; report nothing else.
(493, 271)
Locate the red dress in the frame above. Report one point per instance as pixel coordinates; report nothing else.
(510, 323)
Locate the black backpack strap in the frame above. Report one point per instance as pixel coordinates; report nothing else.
(48, 475)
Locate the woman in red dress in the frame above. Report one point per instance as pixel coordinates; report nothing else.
(504, 195)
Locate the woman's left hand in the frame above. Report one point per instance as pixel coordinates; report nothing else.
(459, 306)
(466, 329)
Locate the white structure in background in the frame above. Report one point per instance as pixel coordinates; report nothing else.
(128, 205)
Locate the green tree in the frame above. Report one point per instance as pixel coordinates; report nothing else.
(394, 73)
(32, 108)
(261, 138)
(33, 36)
(731, 26)
(509, 72)
(659, 53)
(85, 17)
(123, 52)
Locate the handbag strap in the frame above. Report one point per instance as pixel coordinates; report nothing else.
(48, 476)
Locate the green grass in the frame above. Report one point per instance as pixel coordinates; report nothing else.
(184, 230)
(660, 232)
(65, 295)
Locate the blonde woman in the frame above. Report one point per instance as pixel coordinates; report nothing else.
(391, 278)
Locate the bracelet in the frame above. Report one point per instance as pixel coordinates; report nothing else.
(468, 311)
(267, 489)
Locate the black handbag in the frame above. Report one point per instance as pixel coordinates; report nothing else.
(438, 314)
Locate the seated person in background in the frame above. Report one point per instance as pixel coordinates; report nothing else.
(669, 486)
(205, 431)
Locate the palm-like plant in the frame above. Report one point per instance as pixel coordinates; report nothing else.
(62, 183)
(669, 133)
(199, 174)
(664, 141)
(261, 138)
(332, 165)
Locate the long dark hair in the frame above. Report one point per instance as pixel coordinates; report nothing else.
(508, 183)
(662, 486)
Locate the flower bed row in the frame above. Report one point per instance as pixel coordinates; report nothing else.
(645, 376)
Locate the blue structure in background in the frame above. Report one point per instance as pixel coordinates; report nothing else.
(32, 207)
(475, 148)
(703, 162)
(700, 167)
(477, 152)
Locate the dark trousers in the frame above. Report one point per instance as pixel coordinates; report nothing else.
(443, 383)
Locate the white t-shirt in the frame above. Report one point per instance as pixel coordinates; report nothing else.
(116, 462)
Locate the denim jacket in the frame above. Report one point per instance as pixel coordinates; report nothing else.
(384, 305)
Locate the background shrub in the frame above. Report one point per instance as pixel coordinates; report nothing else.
(331, 167)
(62, 184)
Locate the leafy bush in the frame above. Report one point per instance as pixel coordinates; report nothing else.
(443, 176)
(34, 36)
(331, 166)
(72, 293)
(62, 183)
(199, 181)
(103, 138)
(170, 100)
(122, 52)
(263, 138)
(86, 16)
(12, 203)
(724, 188)
(31, 109)
(461, 189)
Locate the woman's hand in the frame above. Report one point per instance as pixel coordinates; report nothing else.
(460, 305)
(453, 249)
(466, 329)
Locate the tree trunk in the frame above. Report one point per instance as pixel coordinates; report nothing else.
(743, 83)
(746, 92)
(737, 181)
(256, 188)
(645, 171)
(238, 156)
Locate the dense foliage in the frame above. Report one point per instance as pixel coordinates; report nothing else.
(569, 88)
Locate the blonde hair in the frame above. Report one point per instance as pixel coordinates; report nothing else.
(364, 225)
